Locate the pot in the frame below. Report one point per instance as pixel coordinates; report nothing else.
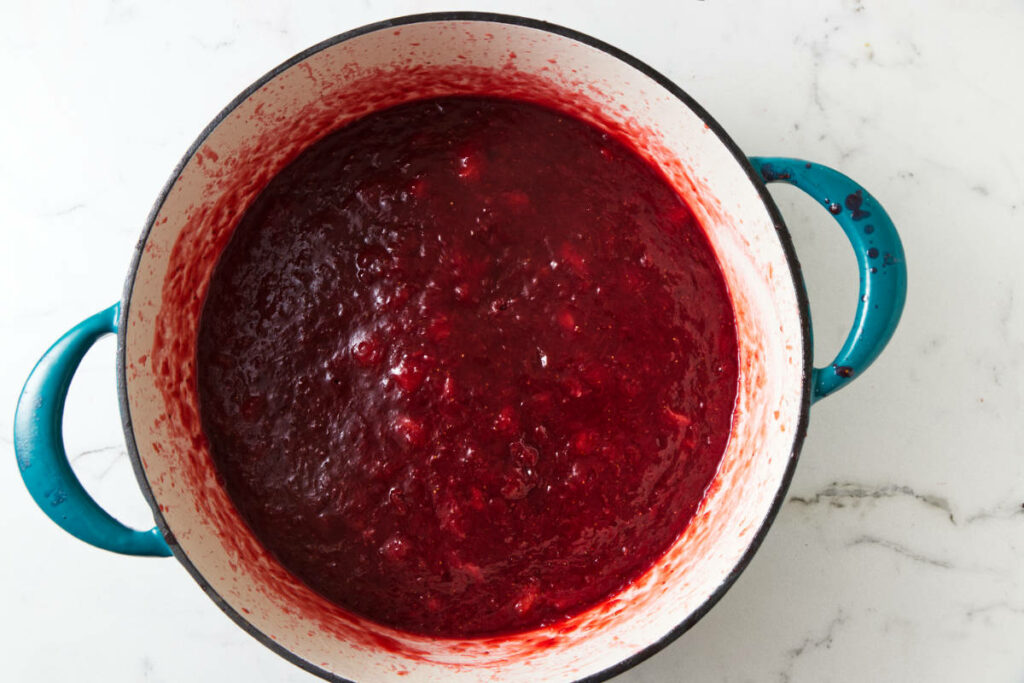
(385, 64)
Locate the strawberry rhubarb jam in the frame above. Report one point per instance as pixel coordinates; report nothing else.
(467, 366)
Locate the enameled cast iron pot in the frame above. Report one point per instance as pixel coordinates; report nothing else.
(382, 65)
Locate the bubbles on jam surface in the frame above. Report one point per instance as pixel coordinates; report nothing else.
(467, 366)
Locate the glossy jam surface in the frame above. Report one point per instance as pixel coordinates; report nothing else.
(467, 366)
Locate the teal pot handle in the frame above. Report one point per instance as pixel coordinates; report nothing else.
(883, 268)
(39, 447)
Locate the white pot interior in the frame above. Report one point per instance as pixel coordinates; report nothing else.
(325, 90)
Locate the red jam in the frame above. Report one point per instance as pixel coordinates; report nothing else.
(467, 366)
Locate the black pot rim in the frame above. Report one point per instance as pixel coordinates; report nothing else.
(784, 238)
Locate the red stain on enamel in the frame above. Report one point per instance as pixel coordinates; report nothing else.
(233, 185)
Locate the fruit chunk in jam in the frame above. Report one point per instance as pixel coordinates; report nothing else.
(467, 366)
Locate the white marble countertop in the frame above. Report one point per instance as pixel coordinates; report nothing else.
(899, 555)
